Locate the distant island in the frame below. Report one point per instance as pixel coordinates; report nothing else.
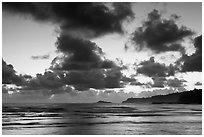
(103, 102)
(186, 97)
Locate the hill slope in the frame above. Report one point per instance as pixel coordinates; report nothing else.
(187, 97)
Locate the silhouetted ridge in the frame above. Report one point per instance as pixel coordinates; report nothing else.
(103, 102)
(187, 97)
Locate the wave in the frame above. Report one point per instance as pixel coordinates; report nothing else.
(40, 125)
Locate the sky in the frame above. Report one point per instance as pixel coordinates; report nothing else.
(85, 52)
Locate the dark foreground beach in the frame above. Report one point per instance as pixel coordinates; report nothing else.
(101, 119)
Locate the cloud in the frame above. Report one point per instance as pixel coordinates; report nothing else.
(198, 84)
(193, 62)
(48, 80)
(9, 75)
(27, 76)
(158, 82)
(175, 82)
(85, 64)
(79, 54)
(61, 82)
(45, 84)
(160, 35)
(82, 64)
(136, 83)
(198, 44)
(91, 19)
(83, 80)
(41, 57)
(130, 81)
(4, 89)
(9, 89)
(154, 69)
(113, 77)
(96, 78)
(161, 82)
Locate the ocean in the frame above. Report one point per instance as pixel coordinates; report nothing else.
(101, 119)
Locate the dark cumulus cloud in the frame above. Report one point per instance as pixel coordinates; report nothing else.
(161, 82)
(113, 77)
(160, 35)
(46, 84)
(193, 62)
(40, 57)
(93, 18)
(82, 60)
(85, 64)
(128, 79)
(57, 82)
(131, 81)
(79, 54)
(155, 69)
(95, 78)
(48, 80)
(9, 75)
(175, 82)
(158, 82)
(83, 80)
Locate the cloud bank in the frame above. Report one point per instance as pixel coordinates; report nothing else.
(91, 19)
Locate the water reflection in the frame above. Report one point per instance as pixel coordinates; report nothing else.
(102, 119)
